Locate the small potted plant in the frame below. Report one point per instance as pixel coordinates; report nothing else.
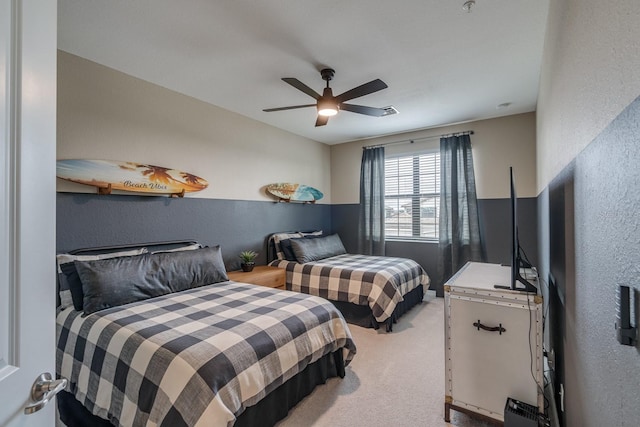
(248, 260)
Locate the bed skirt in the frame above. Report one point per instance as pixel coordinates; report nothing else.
(273, 408)
(361, 315)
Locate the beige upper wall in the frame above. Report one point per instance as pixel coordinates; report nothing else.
(105, 114)
(497, 144)
(590, 73)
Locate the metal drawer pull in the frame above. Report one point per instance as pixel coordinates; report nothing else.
(499, 328)
(43, 390)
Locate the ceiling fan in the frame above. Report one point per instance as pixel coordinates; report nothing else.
(329, 105)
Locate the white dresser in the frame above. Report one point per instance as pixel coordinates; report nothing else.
(493, 343)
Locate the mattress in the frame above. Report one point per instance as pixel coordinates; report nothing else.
(374, 281)
(196, 357)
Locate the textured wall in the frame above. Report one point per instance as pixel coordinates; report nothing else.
(590, 72)
(594, 247)
(88, 220)
(607, 250)
(587, 178)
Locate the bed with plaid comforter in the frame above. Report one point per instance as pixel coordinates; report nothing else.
(197, 357)
(377, 281)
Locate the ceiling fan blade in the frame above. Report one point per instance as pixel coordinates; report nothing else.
(322, 120)
(361, 109)
(362, 90)
(301, 86)
(269, 110)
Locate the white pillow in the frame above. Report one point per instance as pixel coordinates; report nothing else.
(181, 248)
(283, 236)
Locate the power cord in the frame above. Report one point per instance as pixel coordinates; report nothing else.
(531, 356)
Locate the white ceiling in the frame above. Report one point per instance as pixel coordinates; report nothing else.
(442, 65)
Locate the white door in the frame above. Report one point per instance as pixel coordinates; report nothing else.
(27, 205)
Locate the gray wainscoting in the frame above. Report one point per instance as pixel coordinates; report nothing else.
(344, 219)
(589, 245)
(88, 220)
(495, 224)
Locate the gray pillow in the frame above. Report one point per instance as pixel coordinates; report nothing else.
(113, 282)
(68, 280)
(307, 250)
(287, 250)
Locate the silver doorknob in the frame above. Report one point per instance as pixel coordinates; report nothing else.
(43, 390)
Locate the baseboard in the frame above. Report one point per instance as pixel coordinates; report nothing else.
(429, 295)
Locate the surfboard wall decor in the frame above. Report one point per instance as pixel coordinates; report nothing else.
(288, 192)
(129, 176)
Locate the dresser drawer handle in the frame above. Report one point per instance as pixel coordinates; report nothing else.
(498, 329)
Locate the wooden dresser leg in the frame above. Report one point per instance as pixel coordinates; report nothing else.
(447, 409)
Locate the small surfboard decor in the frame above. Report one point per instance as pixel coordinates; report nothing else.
(288, 192)
(110, 175)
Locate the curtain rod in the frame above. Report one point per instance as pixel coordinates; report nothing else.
(411, 141)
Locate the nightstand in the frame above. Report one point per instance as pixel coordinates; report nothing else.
(263, 275)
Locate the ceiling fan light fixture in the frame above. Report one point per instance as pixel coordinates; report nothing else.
(328, 112)
(327, 108)
(329, 105)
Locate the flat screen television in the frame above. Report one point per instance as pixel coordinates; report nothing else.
(518, 282)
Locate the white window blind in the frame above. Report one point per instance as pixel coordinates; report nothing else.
(412, 196)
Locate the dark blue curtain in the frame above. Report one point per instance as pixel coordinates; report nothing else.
(371, 225)
(459, 224)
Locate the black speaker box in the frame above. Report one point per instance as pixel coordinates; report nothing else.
(520, 414)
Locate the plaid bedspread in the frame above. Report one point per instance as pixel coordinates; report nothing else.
(377, 281)
(197, 357)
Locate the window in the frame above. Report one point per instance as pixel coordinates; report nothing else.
(412, 196)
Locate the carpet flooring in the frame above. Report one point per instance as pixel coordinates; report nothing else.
(395, 379)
